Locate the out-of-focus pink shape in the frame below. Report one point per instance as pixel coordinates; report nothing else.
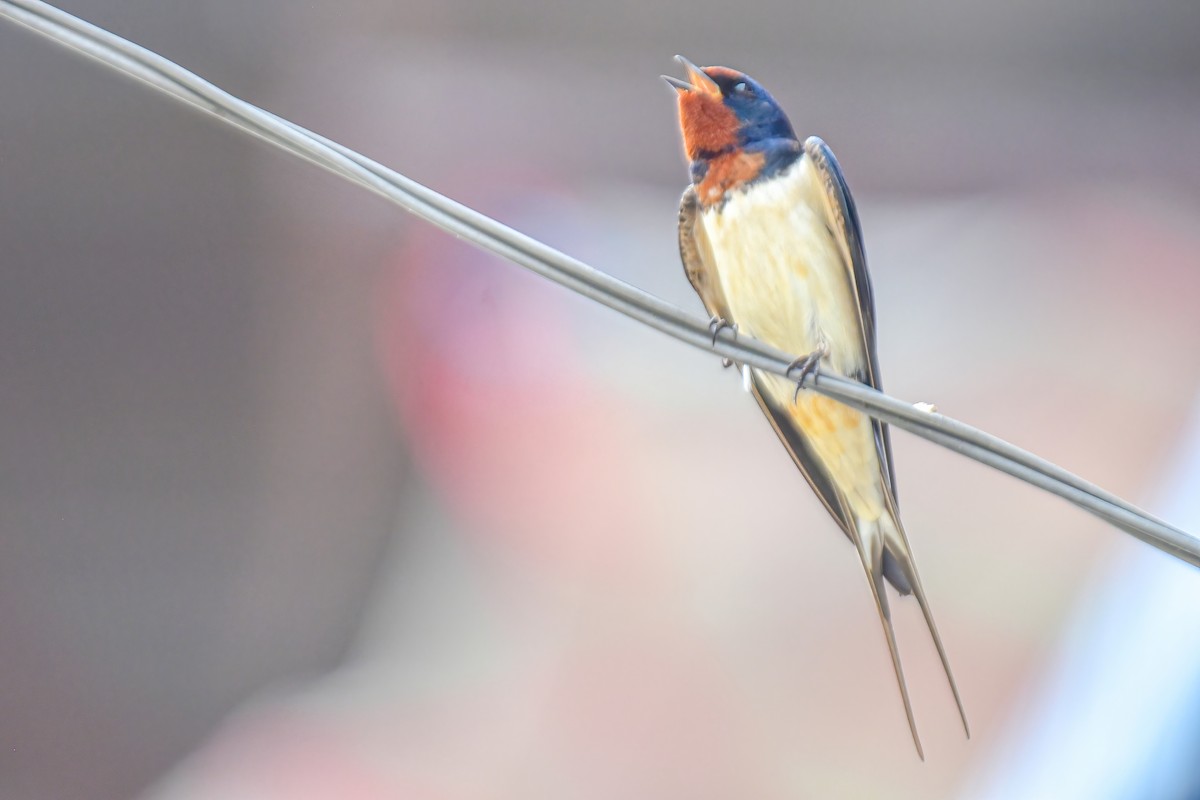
(484, 369)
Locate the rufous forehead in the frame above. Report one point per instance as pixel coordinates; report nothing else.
(717, 73)
(709, 126)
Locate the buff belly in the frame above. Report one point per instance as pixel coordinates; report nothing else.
(785, 283)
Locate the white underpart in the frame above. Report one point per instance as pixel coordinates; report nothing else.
(784, 281)
(781, 270)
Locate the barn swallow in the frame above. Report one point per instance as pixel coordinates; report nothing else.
(770, 240)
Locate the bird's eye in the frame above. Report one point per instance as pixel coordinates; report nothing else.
(741, 88)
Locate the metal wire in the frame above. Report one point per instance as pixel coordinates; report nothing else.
(488, 234)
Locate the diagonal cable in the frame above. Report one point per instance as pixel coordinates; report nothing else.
(488, 234)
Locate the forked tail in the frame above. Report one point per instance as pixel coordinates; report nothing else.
(896, 545)
(874, 538)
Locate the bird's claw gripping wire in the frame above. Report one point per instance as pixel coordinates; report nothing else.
(716, 324)
(808, 365)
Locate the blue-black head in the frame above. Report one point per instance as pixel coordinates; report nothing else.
(721, 109)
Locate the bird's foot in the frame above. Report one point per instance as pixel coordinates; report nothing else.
(808, 365)
(717, 324)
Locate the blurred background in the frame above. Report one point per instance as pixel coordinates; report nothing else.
(301, 498)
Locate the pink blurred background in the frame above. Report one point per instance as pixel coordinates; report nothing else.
(303, 498)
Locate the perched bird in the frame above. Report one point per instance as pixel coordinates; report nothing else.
(770, 240)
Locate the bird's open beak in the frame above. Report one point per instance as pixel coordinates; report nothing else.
(699, 82)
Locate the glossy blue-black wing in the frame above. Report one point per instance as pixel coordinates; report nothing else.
(897, 557)
(846, 229)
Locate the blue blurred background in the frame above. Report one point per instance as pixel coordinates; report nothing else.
(302, 498)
